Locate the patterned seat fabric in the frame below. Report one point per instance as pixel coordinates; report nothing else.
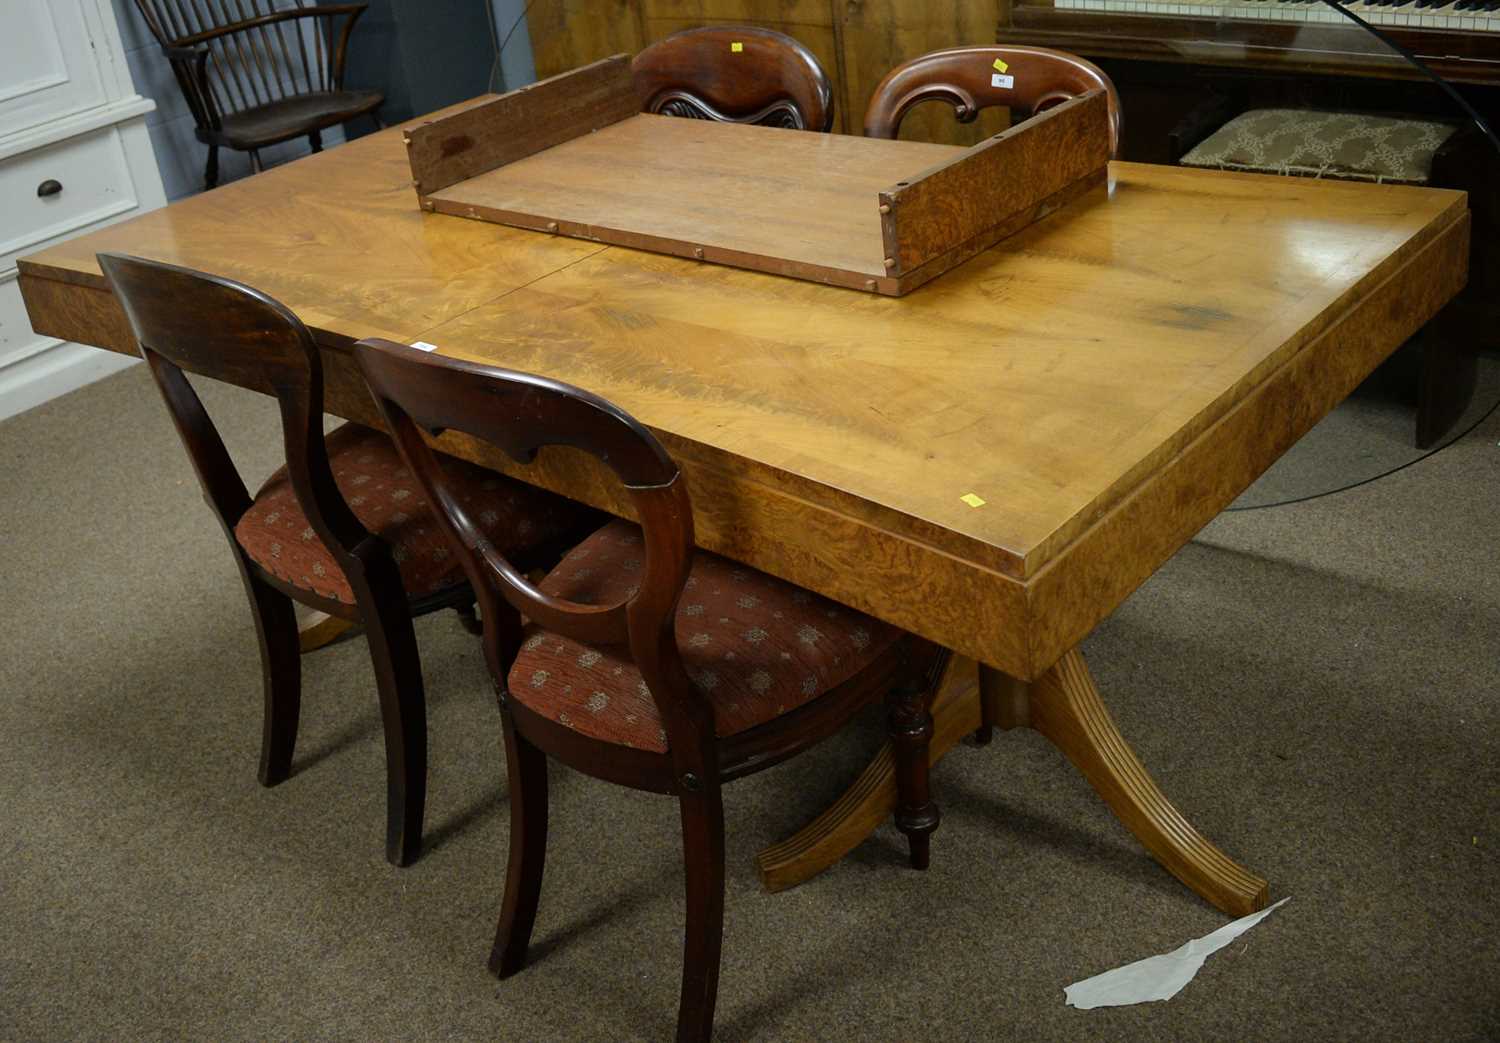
(755, 646)
(370, 473)
(1345, 145)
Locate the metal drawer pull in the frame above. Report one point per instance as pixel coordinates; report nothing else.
(50, 187)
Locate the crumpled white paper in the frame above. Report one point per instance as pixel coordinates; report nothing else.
(1159, 977)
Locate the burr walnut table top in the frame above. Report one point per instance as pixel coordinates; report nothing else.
(994, 461)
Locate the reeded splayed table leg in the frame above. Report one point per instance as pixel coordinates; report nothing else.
(1065, 707)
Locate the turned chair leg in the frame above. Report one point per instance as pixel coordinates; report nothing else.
(526, 767)
(211, 170)
(910, 724)
(281, 667)
(703, 855)
(403, 713)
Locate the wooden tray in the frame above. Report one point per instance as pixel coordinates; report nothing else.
(574, 156)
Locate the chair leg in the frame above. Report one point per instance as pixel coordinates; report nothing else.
(910, 725)
(256, 166)
(211, 171)
(281, 668)
(315, 139)
(527, 768)
(469, 618)
(986, 730)
(375, 115)
(1449, 375)
(403, 712)
(703, 855)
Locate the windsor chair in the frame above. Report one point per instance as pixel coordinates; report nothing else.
(735, 74)
(273, 74)
(341, 528)
(645, 663)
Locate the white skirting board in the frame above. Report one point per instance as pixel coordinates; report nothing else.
(55, 371)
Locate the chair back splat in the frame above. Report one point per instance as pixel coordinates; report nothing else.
(735, 74)
(970, 78)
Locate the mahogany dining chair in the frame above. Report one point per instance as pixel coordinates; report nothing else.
(342, 527)
(970, 79)
(735, 74)
(640, 660)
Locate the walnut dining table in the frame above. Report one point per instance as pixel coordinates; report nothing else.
(994, 461)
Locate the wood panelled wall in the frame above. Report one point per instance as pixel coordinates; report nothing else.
(857, 41)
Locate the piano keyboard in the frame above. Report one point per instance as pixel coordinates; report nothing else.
(1465, 15)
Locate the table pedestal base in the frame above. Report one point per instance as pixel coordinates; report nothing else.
(1065, 707)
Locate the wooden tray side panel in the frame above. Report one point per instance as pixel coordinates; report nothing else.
(520, 123)
(949, 205)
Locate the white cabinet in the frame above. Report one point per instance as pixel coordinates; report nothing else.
(74, 155)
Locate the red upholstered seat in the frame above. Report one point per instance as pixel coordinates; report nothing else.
(755, 646)
(373, 478)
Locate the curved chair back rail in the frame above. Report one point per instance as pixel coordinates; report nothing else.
(965, 77)
(521, 413)
(735, 74)
(271, 349)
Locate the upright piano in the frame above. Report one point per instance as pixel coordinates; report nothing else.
(1168, 56)
(1459, 39)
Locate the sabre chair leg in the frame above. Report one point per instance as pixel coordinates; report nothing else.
(910, 724)
(703, 855)
(281, 668)
(526, 767)
(403, 713)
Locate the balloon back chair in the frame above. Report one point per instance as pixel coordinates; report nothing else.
(735, 74)
(968, 78)
(645, 663)
(341, 528)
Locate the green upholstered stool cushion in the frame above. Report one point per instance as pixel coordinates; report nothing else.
(1324, 144)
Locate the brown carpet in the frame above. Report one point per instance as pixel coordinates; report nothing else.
(1315, 686)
